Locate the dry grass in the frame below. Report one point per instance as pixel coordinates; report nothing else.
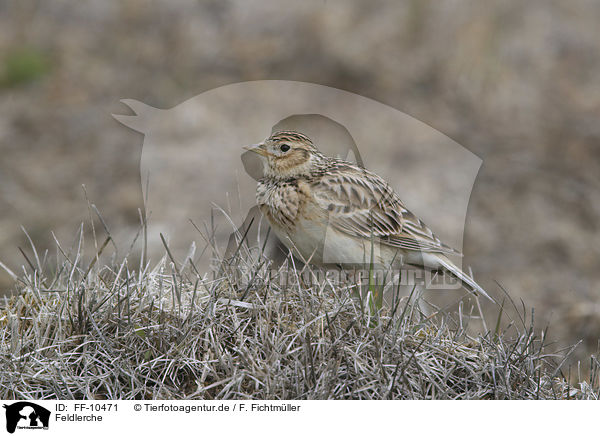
(94, 331)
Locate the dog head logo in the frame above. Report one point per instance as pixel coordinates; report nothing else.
(25, 414)
(194, 169)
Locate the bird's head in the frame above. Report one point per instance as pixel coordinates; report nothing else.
(287, 154)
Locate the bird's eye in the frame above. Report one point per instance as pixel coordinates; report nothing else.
(284, 147)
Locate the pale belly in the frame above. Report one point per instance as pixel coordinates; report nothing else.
(319, 244)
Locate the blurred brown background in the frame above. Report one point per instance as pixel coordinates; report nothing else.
(517, 83)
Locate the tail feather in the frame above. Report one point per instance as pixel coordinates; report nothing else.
(459, 274)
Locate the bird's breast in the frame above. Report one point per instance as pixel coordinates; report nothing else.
(288, 204)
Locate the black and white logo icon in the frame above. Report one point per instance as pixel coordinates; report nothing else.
(26, 415)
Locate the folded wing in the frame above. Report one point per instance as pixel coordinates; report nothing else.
(362, 204)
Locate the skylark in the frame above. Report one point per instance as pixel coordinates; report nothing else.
(327, 210)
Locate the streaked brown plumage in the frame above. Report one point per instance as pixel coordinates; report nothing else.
(318, 205)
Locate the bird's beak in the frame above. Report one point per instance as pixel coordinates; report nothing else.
(257, 148)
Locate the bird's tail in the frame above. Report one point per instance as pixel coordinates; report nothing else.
(459, 274)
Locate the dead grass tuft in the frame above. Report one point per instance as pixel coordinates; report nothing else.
(91, 331)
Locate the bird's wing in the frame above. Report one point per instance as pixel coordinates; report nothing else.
(362, 204)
